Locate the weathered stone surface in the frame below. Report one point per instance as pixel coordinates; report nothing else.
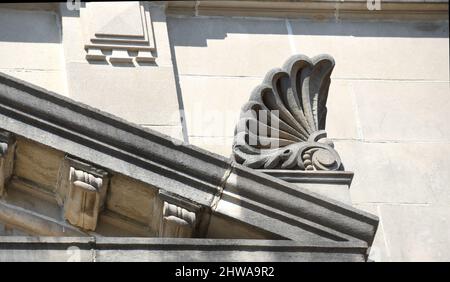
(378, 50)
(316, 10)
(37, 163)
(209, 114)
(131, 198)
(30, 48)
(167, 249)
(408, 110)
(416, 232)
(410, 173)
(241, 44)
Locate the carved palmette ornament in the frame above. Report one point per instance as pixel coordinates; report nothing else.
(282, 124)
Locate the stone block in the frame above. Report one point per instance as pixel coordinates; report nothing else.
(228, 46)
(37, 163)
(403, 110)
(212, 104)
(378, 50)
(417, 232)
(29, 40)
(144, 95)
(341, 120)
(408, 173)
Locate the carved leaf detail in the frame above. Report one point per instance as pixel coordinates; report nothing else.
(282, 125)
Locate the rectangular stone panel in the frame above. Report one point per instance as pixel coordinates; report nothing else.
(37, 163)
(131, 198)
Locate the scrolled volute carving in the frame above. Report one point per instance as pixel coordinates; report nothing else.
(282, 125)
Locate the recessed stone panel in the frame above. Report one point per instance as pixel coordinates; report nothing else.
(37, 163)
(131, 198)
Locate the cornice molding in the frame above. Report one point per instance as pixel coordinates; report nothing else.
(322, 177)
(175, 249)
(317, 9)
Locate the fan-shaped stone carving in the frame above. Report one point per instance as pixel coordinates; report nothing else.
(282, 125)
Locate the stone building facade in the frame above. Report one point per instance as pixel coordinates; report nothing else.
(92, 171)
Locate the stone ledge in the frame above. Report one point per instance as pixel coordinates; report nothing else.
(298, 176)
(19, 248)
(319, 9)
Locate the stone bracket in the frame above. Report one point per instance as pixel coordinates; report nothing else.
(7, 148)
(180, 218)
(82, 192)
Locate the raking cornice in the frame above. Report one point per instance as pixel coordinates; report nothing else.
(194, 174)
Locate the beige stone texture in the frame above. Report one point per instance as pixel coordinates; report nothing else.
(417, 232)
(378, 50)
(403, 110)
(228, 46)
(219, 145)
(341, 120)
(131, 198)
(212, 104)
(144, 95)
(37, 163)
(406, 173)
(30, 48)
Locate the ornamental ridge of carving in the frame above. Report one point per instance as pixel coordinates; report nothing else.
(282, 125)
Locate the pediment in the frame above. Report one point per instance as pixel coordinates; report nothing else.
(68, 169)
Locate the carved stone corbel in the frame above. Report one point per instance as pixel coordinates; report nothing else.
(180, 218)
(7, 147)
(82, 193)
